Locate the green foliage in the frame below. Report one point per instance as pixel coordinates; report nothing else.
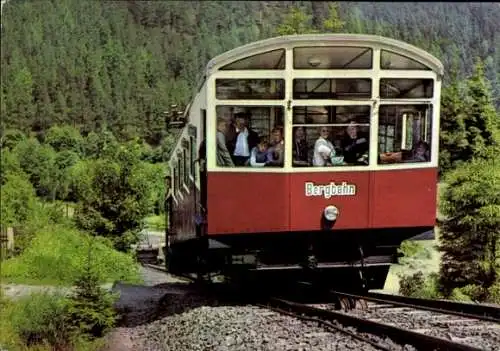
(100, 144)
(470, 234)
(116, 193)
(469, 122)
(17, 200)
(42, 319)
(91, 308)
(37, 160)
(58, 255)
(296, 21)
(9, 165)
(10, 138)
(64, 138)
(333, 23)
(155, 222)
(420, 286)
(481, 120)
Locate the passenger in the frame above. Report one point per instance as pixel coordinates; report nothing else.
(421, 152)
(258, 156)
(355, 148)
(322, 148)
(245, 140)
(223, 155)
(231, 135)
(275, 154)
(300, 156)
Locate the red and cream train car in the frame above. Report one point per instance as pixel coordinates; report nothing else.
(307, 152)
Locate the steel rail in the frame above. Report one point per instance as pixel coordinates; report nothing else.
(396, 334)
(326, 324)
(466, 310)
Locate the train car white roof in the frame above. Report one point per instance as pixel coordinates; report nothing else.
(322, 40)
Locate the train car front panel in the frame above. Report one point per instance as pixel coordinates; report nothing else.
(248, 202)
(403, 198)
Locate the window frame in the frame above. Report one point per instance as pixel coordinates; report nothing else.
(192, 131)
(366, 49)
(428, 129)
(366, 103)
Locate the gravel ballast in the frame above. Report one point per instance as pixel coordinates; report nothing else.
(170, 316)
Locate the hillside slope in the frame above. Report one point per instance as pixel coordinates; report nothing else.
(121, 64)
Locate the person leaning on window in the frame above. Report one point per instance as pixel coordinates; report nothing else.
(246, 140)
(322, 148)
(258, 155)
(299, 147)
(223, 155)
(275, 153)
(354, 146)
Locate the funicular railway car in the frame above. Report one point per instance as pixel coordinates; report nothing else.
(307, 153)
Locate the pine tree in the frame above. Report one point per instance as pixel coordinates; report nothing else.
(296, 21)
(469, 236)
(333, 23)
(453, 136)
(481, 119)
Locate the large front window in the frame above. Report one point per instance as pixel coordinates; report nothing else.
(326, 136)
(404, 133)
(249, 136)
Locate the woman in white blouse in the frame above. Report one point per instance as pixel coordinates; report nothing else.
(322, 148)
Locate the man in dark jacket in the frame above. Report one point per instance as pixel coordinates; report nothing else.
(244, 140)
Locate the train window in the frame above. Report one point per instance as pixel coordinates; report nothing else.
(186, 155)
(250, 136)
(404, 133)
(173, 174)
(187, 165)
(346, 89)
(176, 177)
(403, 88)
(180, 167)
(392, 61)
(331, 135)
(236, 89)
(332, 57)
(192, 149)
(274, 59)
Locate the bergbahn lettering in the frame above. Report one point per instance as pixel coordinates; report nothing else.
(332, 189)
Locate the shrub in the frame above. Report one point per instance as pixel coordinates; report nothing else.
(494, 293)
(470, 292)
(42, 319)
(91, 308)
(418, 285)
(410, 285)
(57, 255)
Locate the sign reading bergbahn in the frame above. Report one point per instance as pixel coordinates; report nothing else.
(278, 126)
(329, 190)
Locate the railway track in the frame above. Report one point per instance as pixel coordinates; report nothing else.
(460, 323)
(466, 310)
(365, 329)
(387, 322)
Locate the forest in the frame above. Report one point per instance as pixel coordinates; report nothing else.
(121, 64)
(84, 88)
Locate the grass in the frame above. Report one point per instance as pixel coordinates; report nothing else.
(58, 254)
(155, 222)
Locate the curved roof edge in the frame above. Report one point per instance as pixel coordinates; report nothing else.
(325, 39)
